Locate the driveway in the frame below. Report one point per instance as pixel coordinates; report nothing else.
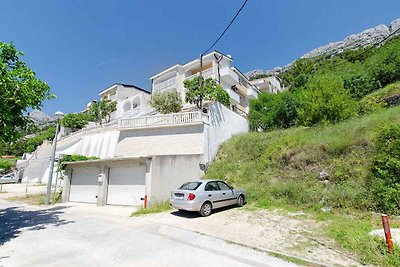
(83, 235)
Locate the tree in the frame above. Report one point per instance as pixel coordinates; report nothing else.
(166, 102)
(210, 90)
(75, 121)
(19, 90)
(101, 111)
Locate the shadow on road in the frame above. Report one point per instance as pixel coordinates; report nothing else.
(14, 219)
(195, 214)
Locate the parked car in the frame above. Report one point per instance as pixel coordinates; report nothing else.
(8, 178)
(206, 195)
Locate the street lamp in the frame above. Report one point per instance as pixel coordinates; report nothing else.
(58, 116)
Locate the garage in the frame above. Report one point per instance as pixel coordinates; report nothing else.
(126, 185)
(84, 186)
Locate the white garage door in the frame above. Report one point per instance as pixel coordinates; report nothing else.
(84, 185)
(126, 185)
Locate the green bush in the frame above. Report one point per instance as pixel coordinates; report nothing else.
(385, 182)
(361, 85)
(6, 165)
(75, 121)
(324, 101)
(73, 158)
(273, 111)
(166, 102)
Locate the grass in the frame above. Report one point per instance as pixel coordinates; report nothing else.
(35, 199)
(155, 208)
(292, 259)
(351, 232)
(280, 169)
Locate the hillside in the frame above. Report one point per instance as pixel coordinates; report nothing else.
(326, 173)
(365, 38)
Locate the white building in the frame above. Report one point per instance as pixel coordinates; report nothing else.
(215, 65)
(144, 155)
(270, 84)
(132, 101)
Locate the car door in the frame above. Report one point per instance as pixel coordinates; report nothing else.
(227, 194)
(213, 193)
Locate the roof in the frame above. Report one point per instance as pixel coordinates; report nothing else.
(125, 85)
(182, 65)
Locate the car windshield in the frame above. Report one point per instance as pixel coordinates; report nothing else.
(190, 186)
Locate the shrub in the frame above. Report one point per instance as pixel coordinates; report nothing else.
(324, 101)
(385, 182)
(361, 85)
(273, 111)
(6, 165)
(167, 102)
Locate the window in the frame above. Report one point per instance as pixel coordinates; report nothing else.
(223, 186)
(211, 186)
(190, 186)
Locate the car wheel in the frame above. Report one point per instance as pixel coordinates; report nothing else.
(206, 209)
(240, 201)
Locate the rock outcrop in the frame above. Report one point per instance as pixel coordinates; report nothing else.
(373, 36)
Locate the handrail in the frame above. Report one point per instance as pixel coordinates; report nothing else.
(164, 119)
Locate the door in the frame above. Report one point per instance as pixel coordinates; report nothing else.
(214, 194)
(84, 186)
(227, 194)
(126, 185)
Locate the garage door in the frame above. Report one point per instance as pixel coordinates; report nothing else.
(126, 185)
(84, 186)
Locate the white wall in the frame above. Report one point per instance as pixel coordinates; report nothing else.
(170, 172)
(223, 124)
(161, 141)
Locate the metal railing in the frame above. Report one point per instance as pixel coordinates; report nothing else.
(164, 119)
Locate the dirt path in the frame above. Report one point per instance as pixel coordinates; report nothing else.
(265, 230)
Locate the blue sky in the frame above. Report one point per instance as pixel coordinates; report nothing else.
(81, 47)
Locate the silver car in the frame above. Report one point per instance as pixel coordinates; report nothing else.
(205, 195)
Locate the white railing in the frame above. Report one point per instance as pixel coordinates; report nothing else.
(164, 119)
(164, 84)
(206, 74)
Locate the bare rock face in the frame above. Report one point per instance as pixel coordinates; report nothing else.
(368, 37)
(373, 36)
(39, 117)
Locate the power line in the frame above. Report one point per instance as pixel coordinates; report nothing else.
(227, 27)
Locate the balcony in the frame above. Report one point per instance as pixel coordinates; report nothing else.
(233, 95)
(229, 76)
(208, 73)
(162, 120)
(252, 93)
(165, 85)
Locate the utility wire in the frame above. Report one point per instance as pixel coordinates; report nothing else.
(227, 27)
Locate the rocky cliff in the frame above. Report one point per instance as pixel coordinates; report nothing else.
(368, 37)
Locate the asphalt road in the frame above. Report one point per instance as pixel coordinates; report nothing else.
(69, 236)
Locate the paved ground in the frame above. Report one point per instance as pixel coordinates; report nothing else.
(12, 190)
(84, 235)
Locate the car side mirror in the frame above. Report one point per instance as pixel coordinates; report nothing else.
(231, 187)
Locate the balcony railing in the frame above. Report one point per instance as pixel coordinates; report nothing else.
(163, 85)
(206, 74)
(159, 120)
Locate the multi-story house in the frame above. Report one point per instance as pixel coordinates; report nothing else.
(214, 65)
(132, 101)
(270, 84)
